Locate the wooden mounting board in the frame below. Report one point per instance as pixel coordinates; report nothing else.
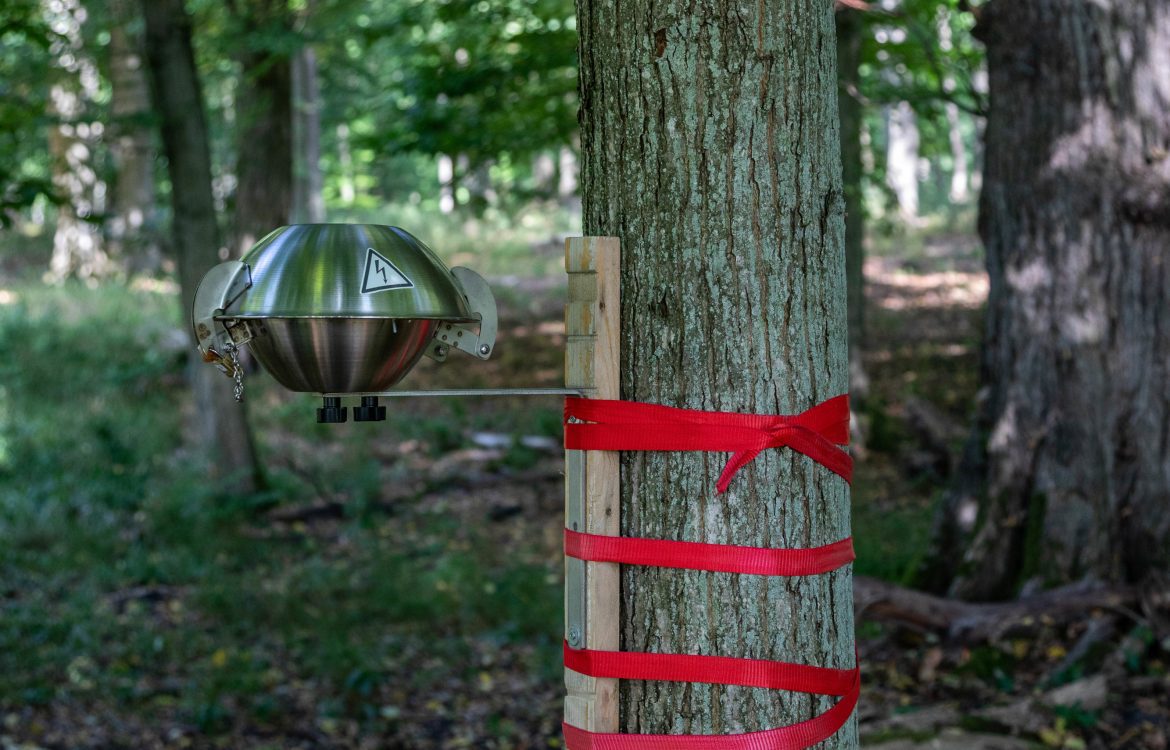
(592, 363)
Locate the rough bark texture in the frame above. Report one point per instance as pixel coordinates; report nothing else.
(265, 151)
(849, 26)
(710, 147)
(221, 424)
(1075, 214)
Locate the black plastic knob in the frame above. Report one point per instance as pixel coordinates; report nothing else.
(369, 411)
(332, 412)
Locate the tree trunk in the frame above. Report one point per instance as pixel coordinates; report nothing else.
(849, 27)
(567, 179)
(308, 200)
(710, 147)
(130, 227)
(960, 174)
(446, 167)
(347, 182)
(902, 141)
(265, 150)
(221, 424)
(1075, 214)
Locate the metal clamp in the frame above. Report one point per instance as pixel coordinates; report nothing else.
(216, 339)
(464, 336)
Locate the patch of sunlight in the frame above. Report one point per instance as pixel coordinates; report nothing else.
(8, 297)
(155, 286)
(897, 289)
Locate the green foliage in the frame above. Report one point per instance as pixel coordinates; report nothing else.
(481, 78)
(25, 41)
(923, 52)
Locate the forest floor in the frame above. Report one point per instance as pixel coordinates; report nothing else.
(399, 585)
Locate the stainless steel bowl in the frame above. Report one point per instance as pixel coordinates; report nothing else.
(348, 271)
(340, 355)
(342, 308)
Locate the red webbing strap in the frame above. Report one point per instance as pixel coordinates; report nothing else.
(624, 425)
(593, 424)
(718, 670)
(722, 558)
(792, 737)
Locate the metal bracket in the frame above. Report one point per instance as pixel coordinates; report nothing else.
(222, 286)
(467, 392)
(463, 336)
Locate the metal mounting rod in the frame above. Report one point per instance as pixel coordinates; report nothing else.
(468, 392)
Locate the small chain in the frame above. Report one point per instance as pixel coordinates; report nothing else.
(234, 357)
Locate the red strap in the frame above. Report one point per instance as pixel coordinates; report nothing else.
(723, 558)
(624, 425)
(718, 670)
(792, 737)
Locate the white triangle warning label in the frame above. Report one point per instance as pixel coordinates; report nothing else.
(381, 274)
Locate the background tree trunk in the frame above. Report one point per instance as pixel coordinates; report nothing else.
(130, 228)
(265, 152)
(710, 147)
(221, 423)
(1075, 214)
(960, 190)
(308, 199)
(849, 27)
(902, 142)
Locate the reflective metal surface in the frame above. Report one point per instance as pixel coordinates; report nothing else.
(342, 308)
(444, 392)
(339, 355)
(347, 270)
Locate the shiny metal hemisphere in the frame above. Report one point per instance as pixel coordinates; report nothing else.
(350, 270)
(343, 355)
(342, 307)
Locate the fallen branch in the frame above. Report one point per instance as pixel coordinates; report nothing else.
(979, 621)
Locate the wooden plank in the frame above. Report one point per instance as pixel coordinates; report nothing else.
(592, 362)
(579, 318)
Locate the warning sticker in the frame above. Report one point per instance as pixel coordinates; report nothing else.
(381, 274)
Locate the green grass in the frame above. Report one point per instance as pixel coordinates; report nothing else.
(127, 576)
(889, 542)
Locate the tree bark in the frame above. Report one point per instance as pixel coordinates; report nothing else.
(130, 226)
(220, 424)
(710, 147)
(1075, 214)
(265, 150)
(849, 27)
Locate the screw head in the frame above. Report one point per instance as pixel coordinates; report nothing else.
(574, 636)
(484, 349)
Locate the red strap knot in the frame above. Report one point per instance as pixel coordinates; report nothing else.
(624, 425)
